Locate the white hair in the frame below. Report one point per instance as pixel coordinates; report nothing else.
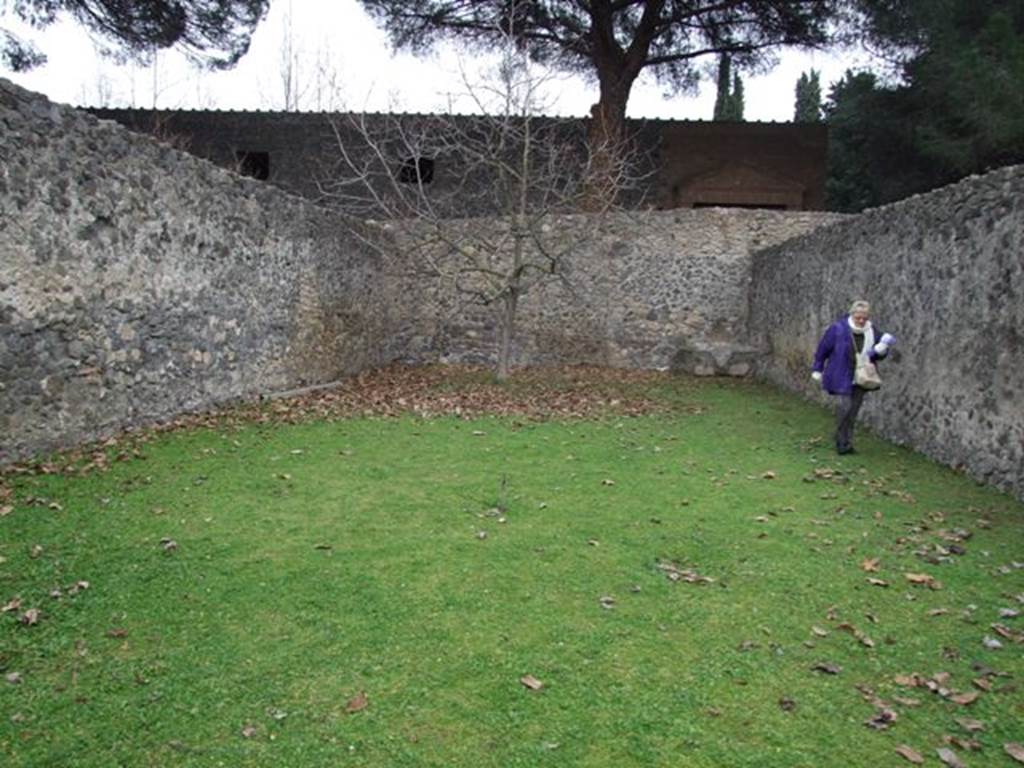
(860, 306)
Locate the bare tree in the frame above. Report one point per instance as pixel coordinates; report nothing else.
(328, 84)
(98, 91)
(403, 183)
(303, 80)
(293, 81)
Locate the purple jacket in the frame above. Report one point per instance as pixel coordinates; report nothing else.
(835, 356)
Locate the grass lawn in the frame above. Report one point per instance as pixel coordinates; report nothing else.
(689, 585)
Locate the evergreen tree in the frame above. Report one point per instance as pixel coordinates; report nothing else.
(729, 101)
(808, 98)
(737, 98)
(215, 33)
(958, 110)
(723, 101)
(614, 41)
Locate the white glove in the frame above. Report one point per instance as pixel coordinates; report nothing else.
(888, 339)
(816, 375)
(881, 348)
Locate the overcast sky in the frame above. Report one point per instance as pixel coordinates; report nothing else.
(344, 62)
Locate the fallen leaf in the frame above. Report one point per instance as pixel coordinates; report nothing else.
(168, 544)
(991, 643)
(908, 681)
(938, 611)
(769, 475)
(30, 617)
(14, 678)
(607, 601)
(248, 731)
(965, 699)
(11, 605)
(819, 631)
(924, 579)
(827, 667)
(606, 481)
(971, 745)
(356, 704)
(982, 683)
(859, 635)
(117, 632)
(949, 757)
(870, 564)
(878, 582)
(5, 510)
(1015, 750)
(36, 551)
(531, 682)
(882, 719)
(786, 704)
(1004, 631)
(910, 754)
(969, 724)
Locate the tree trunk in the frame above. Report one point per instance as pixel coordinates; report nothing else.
(507, 328)
(606, 139)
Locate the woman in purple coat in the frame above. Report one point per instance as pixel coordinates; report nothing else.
(850, 337)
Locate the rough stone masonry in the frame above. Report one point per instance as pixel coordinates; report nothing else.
(138, 282)
(945, 273)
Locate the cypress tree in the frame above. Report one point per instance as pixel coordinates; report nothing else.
(729, 101)
(722, 100)
(736, 99)
(808, 98)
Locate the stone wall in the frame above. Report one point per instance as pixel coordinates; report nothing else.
(945, 273)
(138, 282)
(665, 290)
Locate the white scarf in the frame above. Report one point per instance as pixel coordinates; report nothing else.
(869, 339)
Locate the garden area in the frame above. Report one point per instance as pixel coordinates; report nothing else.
(578, 567)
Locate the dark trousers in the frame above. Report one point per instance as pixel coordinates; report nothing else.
(846, 415)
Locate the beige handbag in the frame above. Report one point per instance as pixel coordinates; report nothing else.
(866, 374)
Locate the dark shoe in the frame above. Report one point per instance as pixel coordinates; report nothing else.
(844, 451)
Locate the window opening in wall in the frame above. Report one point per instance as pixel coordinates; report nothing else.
(255, 164)
(416, 170)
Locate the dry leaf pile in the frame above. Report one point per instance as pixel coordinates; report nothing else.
(563, 392)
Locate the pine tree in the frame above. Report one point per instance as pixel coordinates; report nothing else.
(808, 98)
